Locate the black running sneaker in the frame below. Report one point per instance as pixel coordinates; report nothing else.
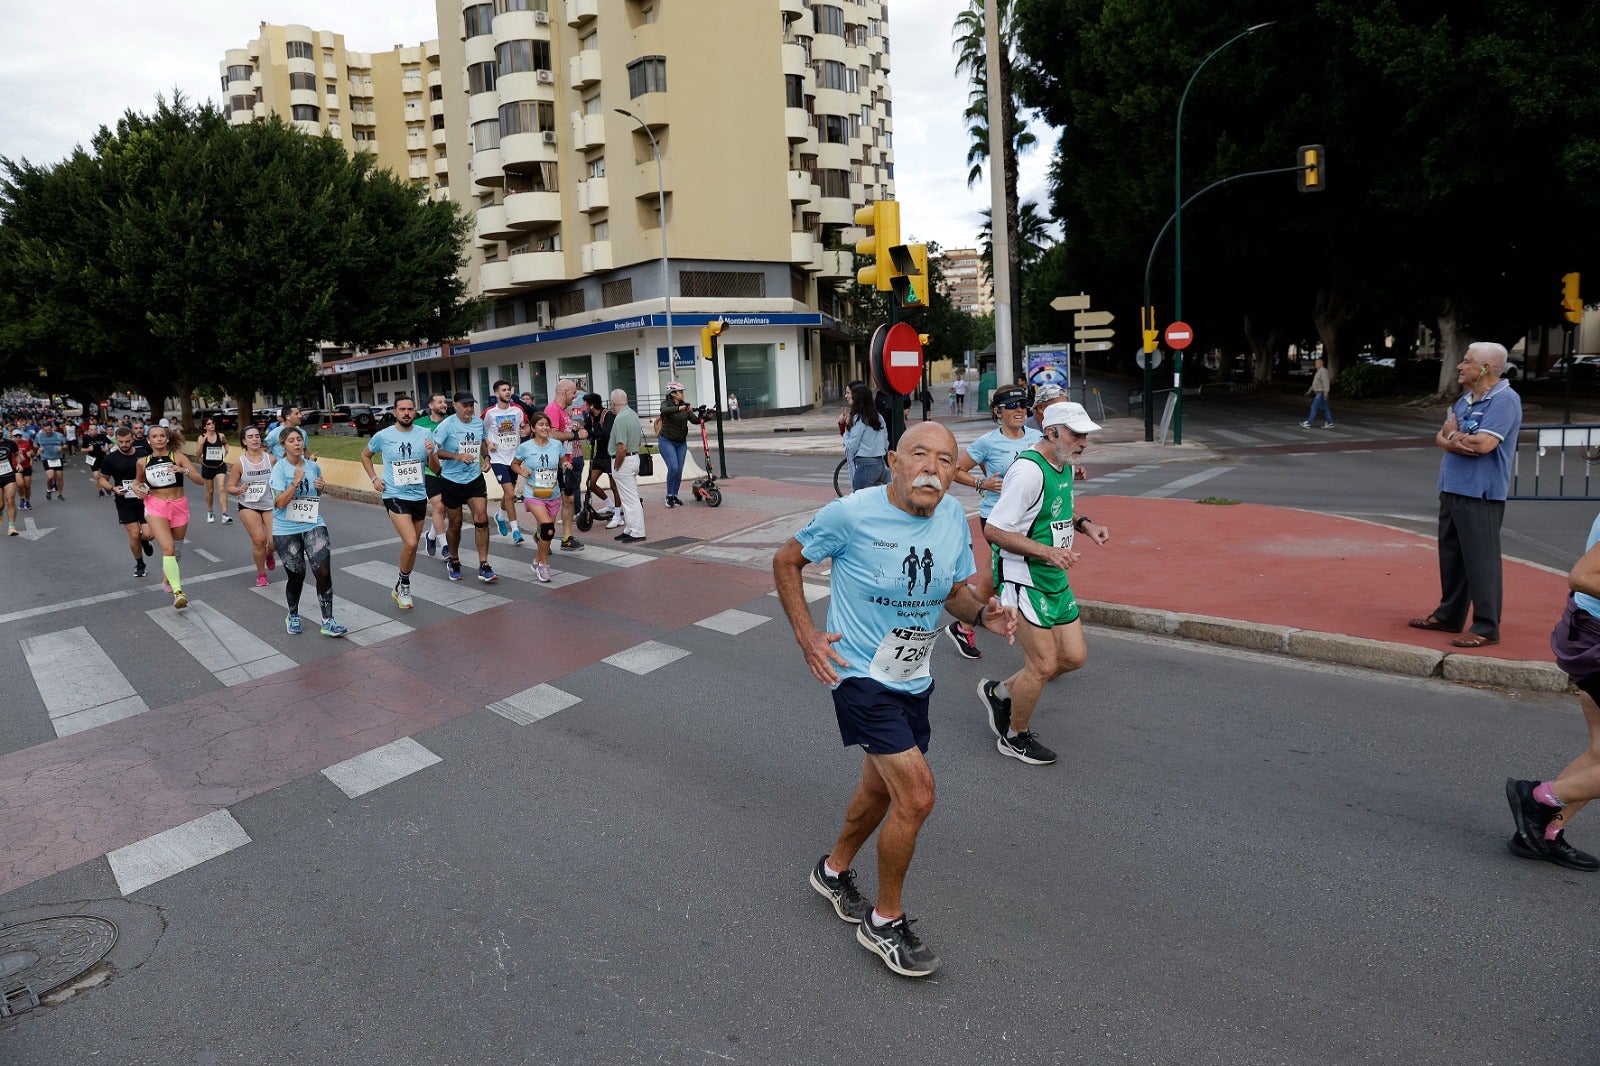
(997, 710)
(1532, 816)
(900, 949)
(138, 568)
(1558, 851)
(1026, 747)
(840, 891)
(964, 640)
(147, 546)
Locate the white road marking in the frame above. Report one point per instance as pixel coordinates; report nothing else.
(80, 686)
(1237, 438)
(531, 704)
(645, 658)
(613, 557)
(229, 651)
(366, 627)
(178, 849)
(380, 766)
(462, 596)
(522, 570)
(812, 590)
(207, 556)
(1186, 482)
(31, 531)
(732, 622)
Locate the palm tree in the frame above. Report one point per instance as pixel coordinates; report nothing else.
(972, 61)
(1033, 239)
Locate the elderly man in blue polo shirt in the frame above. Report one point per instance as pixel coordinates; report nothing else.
(1478, 438)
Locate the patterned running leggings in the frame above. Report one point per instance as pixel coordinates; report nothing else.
(313, 549)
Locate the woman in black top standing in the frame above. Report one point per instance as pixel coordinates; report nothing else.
(600, 418)
(214, 464)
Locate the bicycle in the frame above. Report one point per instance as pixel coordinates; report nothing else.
(841, 478)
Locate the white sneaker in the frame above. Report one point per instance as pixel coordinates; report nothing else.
(210, 517)
(615, 523)
(1305, 425)
(542, 571)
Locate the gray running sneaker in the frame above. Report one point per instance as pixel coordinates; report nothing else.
(900, 949)
(840, 891)
(1025, 747)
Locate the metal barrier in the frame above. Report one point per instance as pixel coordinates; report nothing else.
(1564, 462)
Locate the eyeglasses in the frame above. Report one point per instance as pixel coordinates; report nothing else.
(1014, 405)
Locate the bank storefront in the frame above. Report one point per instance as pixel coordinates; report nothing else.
(767, 361)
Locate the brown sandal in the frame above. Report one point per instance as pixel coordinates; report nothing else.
(1431, 622)
(1473, 640)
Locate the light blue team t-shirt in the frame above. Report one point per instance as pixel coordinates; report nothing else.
(1484, 477)
(49, 444)
(454, 435)
(892, 572)
(273, 442)
(1587, 602)
(541, 457)
(283, 472)
(405, 456)
(996, 452)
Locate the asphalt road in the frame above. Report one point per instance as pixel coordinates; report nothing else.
(1237, 859)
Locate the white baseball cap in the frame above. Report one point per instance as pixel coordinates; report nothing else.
(1069, 414)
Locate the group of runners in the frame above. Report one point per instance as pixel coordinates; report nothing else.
(901, 556)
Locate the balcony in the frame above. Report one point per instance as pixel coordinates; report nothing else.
(797, 124)
(330, 101)
(828, 46)
(440, 137)
(833, 157)
(802, 248)
(837, 210)
(792, 9)
(304, 98)
(538, 268)
(492, 224)
(435, 107)
(520, 26)
(593, 195)
(486, 169)
(435, 77)
(833, 265)
(417, 170)
(441, 165)
(794, 60)
(581, 11)
(583, 69)
(495, 278)
(649, 183)
(651, 109)
(483, 107)
(521, 153)
(416, 142)
(588, 130)
(430, 52)
(596, 256)
(799, 186)
(530, 210)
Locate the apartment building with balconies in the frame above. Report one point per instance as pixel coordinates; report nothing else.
(965, 281)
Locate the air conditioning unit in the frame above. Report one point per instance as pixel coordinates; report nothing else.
(541, 311)
(541, 18)
(545, 77)
(549, 136)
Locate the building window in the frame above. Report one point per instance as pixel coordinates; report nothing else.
(597, 167)
(527, 116)
(518, 56)
(486, 135)
(242, 103)
(831, 129)
(830, 74)
(647, 75)
(436, 92)
(298, 49)
(502, 6)
(239, 73)
(592, 105)
(481, 78)
(835, 183)
(570, 303)
(305, 112)
(722, 284)
(795, 94)
(600, 231)
(830, 20)
(617, 292)
(588, 42)
(478, 20)
(303, 81)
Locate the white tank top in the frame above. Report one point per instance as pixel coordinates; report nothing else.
(254, 479)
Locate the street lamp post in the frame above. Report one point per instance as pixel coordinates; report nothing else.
(666, 262)
(1177, 228)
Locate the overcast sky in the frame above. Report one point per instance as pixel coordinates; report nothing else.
(71, 69)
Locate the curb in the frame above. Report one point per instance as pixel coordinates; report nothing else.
(1405, 660)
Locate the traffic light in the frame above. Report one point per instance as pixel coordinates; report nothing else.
(910, 278)
(1312, 176)
(1571, 302)
(714, 328)
(1147, 325)
(883, 218)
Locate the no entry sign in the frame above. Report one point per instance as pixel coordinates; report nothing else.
(1178, 336)
(902, 359)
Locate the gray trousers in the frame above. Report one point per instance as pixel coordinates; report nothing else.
(1469, 562)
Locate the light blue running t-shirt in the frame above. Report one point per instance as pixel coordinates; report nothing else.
(996, 452)
(454, 435)
(892, 572)
(405, 456)
(304, 512)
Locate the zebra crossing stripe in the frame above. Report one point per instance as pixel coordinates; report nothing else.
(732, 622)
(80, 686)
(229, 651)
(645, 658)
(522, 570)
(180, 848)
(613, 557)
(459, 596)
(1185, 482)
(381, 766)
(532, 704)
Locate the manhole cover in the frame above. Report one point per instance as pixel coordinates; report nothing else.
(38, 957)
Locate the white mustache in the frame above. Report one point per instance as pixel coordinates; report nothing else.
(927, 481)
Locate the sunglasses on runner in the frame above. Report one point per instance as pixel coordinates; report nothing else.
(1014, 405)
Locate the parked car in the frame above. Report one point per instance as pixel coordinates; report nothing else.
(314, 420)
(352, 420)
(227, 418)
(1584, 368)
(384, 413)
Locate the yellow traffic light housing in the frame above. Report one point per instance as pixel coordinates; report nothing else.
(714, 328)
(883, 218)
(1571, 302)
(1312, 176)
(1147, 325)
(910, 279)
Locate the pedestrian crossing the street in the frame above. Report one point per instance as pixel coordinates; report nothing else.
(1260, 435)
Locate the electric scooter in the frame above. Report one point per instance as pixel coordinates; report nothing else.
(705, 488)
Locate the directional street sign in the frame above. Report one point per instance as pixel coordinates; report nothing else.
(1094, 346)
(1096, 334)
(1088, 319)
(1079, 302)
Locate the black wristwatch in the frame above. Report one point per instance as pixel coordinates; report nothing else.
(1081, 521)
